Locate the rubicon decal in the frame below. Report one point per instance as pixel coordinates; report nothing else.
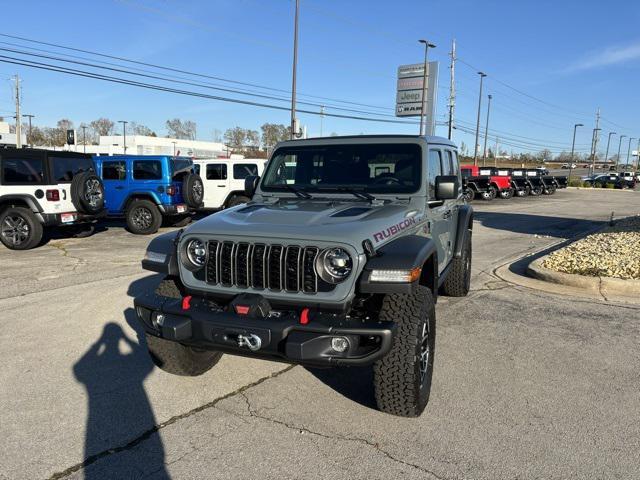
(394, 229)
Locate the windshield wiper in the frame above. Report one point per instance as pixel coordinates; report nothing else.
(356, 193)
(298, 191)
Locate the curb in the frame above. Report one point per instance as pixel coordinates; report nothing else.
(605, 286)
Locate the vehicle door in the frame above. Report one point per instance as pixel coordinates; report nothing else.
(217, 186)
(242, 171)
(147, 176)
(450, 167)
(116, 184)
(439, 211)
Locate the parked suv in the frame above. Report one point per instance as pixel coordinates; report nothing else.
(224, 180)
(337, 260)
(41, 188)
(146, 189)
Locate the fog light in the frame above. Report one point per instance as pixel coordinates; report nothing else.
(339, 344)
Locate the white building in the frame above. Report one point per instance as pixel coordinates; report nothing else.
(7, 138)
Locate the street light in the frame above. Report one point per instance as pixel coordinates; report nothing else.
(425, 79)
(628, 152)
(84, 138)
(475, 148)
(124, 134)
(638, 154)
(573, 146)
(486, 133)
(619, 145)
(293, 75)
(606, 155)
(174, 148)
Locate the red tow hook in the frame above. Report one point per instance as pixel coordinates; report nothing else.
(304, 316)
(186, 302)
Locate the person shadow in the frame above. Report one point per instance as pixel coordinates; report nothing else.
(113, 371)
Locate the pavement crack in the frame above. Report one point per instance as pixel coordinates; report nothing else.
(148, 433)
(302, 429)
(65, 253)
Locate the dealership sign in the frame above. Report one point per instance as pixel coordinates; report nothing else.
(409, 92)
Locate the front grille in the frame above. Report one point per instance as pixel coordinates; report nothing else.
(260, 266)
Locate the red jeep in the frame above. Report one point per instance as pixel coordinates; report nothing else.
(487, 182)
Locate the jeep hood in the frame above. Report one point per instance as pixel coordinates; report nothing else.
(330, 221)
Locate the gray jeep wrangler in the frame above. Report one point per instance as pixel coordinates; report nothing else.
(337, 260)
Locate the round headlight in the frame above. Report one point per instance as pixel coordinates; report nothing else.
(197, 253)
(334, 265)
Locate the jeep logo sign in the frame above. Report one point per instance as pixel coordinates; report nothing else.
(71, 137)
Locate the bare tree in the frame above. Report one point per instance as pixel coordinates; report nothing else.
(273, 133)
(177, 128)
(102, 127)
(235, 138)
(139, 129)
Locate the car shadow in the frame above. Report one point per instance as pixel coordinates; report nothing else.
(353, 383)
(113, 370)
(558, 227)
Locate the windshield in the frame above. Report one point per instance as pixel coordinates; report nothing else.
(63, 169)
(373, 168)
(181, 167)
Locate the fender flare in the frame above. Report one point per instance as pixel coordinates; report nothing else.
(161, 255)
(465, 224)
(145, 194)
(405, 253)
(30, 200)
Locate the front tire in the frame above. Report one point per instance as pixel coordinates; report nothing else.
(468, 194)
(458, 281)
(143, 217)
(506, 194)
(402, 378)
(20, 229)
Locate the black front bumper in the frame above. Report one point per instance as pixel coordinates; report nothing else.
(281, 335)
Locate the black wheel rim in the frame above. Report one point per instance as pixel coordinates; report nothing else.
(142, 218)
(15, 230)
(425, 351)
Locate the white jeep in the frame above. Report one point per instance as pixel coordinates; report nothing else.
(41, 188)
(224, 180)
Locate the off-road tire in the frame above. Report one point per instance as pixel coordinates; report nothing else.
(399, 388)
(87, 193)
(173, 357)
(468, 194)
(458, 281)
(521, 193)
(29, 228)
(535, 191)
(493, 191)
(237, 200)
(550, 190)
(143, 217)
(178, 359)
(506, 194)
(193, 190)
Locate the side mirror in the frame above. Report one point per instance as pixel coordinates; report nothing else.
(250, 185)
(447, 187)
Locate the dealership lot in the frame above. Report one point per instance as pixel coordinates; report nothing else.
(527, 383)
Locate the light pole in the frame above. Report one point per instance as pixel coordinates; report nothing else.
(124, 134)
(174, 148)
(29, 139)
(573, 147)
(606, 155)
(628, 152)
(84, 138)
(486, 133)
(619, 145)
(475, 148)
(638, 154)
(293, 75)
(425, 80)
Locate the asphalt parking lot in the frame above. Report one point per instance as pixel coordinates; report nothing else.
(527, 384)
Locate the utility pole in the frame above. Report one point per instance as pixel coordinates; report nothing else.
(626, 165)
(638, 155)
(18, 117)
(294, 126)
(29, 139)
(594, 143)
(495, 154)
(475, 147)
(452, 88)
(84, 138)
(124, 134)
(486, 133)
(321, 117)
(425, 87)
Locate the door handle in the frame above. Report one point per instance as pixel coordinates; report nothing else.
(221, 186)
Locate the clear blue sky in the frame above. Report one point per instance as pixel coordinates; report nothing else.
(577, 55)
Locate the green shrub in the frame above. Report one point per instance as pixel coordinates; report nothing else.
(609, 185)
(576, 182)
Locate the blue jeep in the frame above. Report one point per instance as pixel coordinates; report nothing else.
(146, 189)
